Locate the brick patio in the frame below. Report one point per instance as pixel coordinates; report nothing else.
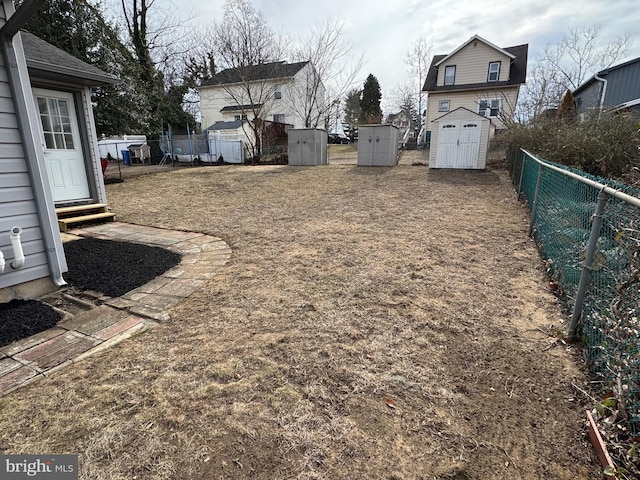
(115, 319)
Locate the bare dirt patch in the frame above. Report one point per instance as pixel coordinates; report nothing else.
(372, 323)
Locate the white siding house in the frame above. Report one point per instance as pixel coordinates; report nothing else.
(279, 92)
(41, 166)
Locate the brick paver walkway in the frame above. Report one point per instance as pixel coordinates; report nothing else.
(115, 319)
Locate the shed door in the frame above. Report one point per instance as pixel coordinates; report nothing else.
(469, 145)
(458, 144)
(447, 152)
(62, 149)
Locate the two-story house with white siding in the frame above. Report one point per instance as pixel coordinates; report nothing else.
(290, 94)
(479, 76)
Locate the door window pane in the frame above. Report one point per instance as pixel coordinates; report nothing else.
(56, 123)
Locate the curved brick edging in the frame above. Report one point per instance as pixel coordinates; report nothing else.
(119, 318)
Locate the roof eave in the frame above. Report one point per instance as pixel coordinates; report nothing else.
(56, 72)
(476, 37)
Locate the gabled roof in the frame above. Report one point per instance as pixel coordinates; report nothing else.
(251, 73)
(476, 38)
(461, 108)
(518, 72)
(46, 61)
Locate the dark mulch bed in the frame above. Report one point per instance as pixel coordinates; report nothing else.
(109, 267)
(114, 268)
(23, 318)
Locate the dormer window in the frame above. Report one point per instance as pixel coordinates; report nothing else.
(449, 74)
(494, 72)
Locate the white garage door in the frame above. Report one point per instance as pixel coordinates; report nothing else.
(458, 144)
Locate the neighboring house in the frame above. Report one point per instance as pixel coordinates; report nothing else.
(49, 153)
(478, 76)
(279, 92)
(616, 88)
(400, 120)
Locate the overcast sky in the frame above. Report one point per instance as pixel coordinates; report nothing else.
(382, 30)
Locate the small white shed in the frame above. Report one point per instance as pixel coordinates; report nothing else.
(460, 139)
(378, 145)
(307, 146)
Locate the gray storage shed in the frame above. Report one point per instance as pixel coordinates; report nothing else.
(460, 139)
(307, 146)
(378, 145)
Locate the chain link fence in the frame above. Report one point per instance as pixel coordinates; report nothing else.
(588, 230)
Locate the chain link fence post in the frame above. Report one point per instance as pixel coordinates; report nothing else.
(536, 198)
(588, 262)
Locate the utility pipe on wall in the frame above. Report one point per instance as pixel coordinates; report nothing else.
(1, 262)
(16, 245)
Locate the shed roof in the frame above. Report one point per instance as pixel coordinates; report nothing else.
(47, 61)
(251, 73)
(221, 125)
(518, 72)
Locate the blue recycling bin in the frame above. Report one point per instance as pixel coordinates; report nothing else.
(126, 157)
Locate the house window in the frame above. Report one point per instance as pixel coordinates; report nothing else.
(237, 118)
(278, 118)
(489, 108)
(444, 105)
(494, 72)
(278, 92)
(449, 74)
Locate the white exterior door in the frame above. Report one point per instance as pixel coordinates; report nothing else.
(458, 144)
(469, 145)
(447, 154)
(62, 149)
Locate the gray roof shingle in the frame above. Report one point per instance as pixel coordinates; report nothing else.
(45, 60)
(518, 73)
(264, 71)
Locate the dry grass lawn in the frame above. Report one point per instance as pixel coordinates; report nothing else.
(372, 323)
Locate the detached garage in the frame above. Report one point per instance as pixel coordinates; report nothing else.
(460, 139)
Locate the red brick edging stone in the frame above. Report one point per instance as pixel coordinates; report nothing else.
(119, 318)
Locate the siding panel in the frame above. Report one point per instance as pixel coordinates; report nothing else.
(623, 84)
(17, 207)
(12, 165)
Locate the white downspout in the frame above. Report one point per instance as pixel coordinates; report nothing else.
(604, 91)
(1, 262)
(16, 245)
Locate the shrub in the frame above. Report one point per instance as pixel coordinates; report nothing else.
(607, 145)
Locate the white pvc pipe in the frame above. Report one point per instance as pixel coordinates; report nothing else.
(18, 255)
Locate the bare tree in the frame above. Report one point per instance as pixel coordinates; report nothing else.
(418, 59)
(404, 98)
(331, 73)
(566, 65)
(251, 52)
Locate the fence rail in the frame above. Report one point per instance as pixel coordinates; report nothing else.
(588, 230)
